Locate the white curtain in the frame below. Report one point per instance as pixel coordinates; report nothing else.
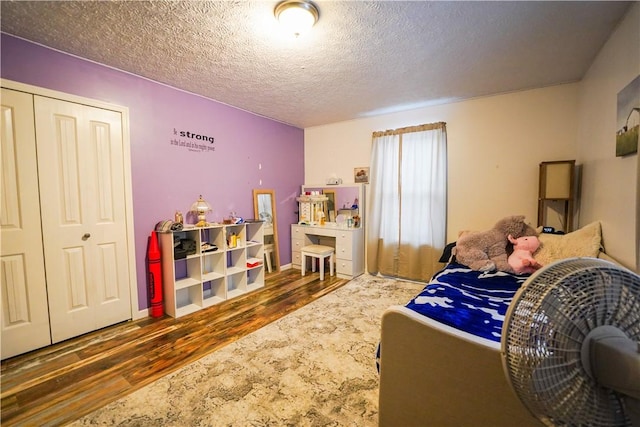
(407, 216)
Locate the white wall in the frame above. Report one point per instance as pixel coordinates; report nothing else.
(611, 183)
(495, 145)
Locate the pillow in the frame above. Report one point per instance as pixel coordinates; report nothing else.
(584, 242)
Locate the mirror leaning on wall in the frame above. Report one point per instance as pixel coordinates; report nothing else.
(264, 208)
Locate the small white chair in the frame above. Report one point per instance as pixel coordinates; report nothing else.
(268, 250)
(319, 252)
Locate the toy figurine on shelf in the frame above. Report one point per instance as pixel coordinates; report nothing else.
(235, 219)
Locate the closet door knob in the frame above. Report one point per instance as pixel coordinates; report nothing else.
(86, 236)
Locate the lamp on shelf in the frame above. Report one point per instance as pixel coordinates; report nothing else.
(200, 207)
(297, 16)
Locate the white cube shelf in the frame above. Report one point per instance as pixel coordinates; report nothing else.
(216, 272)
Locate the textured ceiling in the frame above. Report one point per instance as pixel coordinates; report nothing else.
(362, 58)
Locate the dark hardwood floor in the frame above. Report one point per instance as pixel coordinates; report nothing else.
(61, 383)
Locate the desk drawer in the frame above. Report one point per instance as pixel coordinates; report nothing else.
(297, 232)
(344, 246)
(345, 235)
(296, 259)
(297, 244)
(344, 267)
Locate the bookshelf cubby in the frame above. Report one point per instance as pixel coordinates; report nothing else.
(212, 270)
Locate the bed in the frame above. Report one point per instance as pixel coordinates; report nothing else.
(439, 355)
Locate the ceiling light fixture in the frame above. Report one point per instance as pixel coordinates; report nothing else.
(297, 16)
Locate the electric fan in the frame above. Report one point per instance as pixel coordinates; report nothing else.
(571, 344)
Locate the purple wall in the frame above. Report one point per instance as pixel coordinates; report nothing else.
(167, 177)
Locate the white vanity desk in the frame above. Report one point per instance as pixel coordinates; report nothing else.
(349, 244)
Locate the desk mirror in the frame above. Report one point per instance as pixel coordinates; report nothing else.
(342, 198)
(264, 208)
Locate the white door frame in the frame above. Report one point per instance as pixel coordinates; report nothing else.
(136, 313)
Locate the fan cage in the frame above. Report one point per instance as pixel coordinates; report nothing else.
(543, 332)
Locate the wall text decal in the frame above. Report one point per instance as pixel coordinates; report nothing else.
(193, 141)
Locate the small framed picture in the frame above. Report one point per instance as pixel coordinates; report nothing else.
(361, 175)
(628, 119)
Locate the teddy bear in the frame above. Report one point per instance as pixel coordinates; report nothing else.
(521, 259)
(487, 250)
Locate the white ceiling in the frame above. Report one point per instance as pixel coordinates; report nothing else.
(362, 58)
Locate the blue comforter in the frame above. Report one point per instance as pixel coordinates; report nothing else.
(472, 301)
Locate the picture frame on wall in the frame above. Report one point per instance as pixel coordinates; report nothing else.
(361, 175)
(628, 119)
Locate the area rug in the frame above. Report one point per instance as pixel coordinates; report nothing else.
(313, 367)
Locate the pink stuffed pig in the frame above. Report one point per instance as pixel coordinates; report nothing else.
(521, 260)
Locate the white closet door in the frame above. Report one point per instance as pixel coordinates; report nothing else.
(81, 166)
(25, 317)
